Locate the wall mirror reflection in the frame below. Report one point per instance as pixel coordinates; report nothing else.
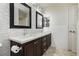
(46, 22)
(20, 15)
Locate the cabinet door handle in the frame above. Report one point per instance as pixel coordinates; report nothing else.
(44, 49)
(36, 42)
(44, 39)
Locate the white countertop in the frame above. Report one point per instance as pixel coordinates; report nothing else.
(27, 38)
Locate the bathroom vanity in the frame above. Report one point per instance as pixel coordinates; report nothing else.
(34, 45)
(30, 44)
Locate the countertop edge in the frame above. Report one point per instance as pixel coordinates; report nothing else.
(29, 39)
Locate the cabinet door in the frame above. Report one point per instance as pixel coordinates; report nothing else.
(28, 49)
(48, 40)
(37, 47)
(44, 44)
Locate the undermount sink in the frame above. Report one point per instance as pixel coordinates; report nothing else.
(29, 35)
(22, 36)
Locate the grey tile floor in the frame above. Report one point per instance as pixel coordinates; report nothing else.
(53, 52)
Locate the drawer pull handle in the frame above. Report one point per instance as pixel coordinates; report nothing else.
(35, 42)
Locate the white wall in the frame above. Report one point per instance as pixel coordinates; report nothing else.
(61, 14)
(5, 30)
(78, 33)
(60, 28)
(4, 22)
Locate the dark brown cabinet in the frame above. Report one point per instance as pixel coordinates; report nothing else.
(44, 44)
(36, 47)
(28, 49)
(48, 40)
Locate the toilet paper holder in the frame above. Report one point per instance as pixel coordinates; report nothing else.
(15, 48)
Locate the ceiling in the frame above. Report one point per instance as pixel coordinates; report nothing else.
(51, 6)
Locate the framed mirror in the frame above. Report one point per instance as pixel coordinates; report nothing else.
(39, 20)
(20, 15)
(46, 22)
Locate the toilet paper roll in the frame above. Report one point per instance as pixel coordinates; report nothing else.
(15, 49)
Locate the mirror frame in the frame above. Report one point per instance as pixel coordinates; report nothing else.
(12, 25)
(37, 27)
